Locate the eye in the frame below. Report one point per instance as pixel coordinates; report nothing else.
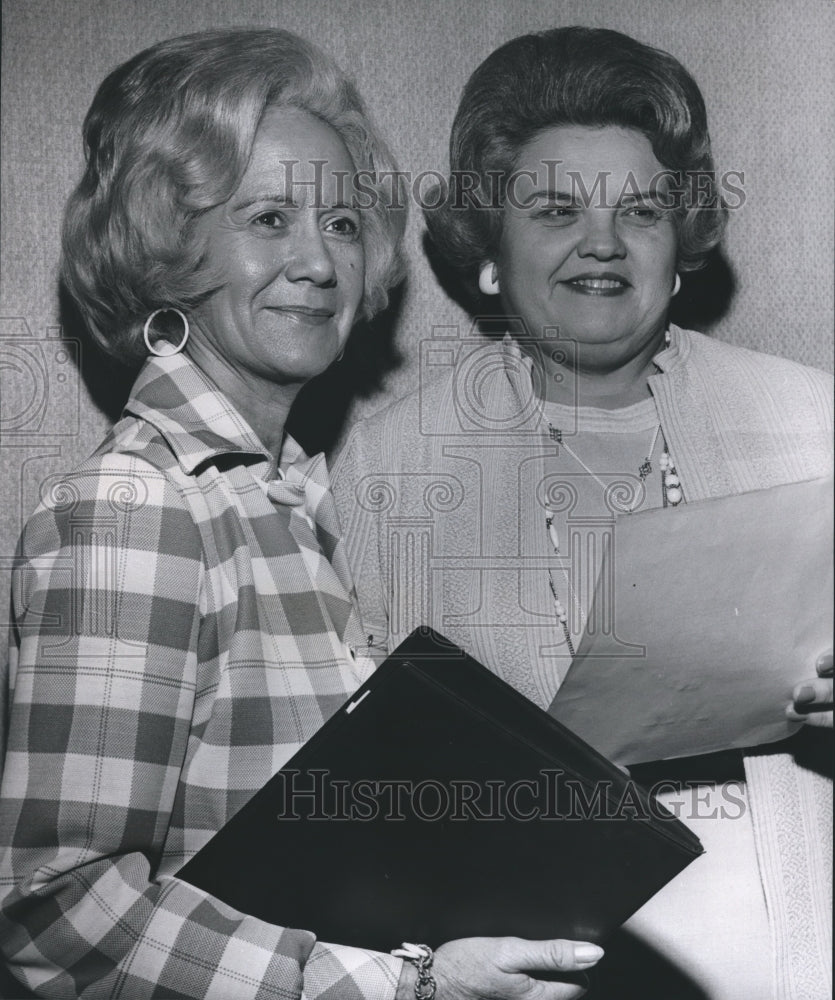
(642, 215)
(559, 215)
(270, 220)
(342, 225)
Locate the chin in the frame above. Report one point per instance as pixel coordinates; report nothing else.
(601, 335)
(302, 365)
(612, 350)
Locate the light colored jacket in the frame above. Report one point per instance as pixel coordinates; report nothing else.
(441, 497)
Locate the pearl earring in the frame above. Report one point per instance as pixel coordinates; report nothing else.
(677, 284)
(488, 279)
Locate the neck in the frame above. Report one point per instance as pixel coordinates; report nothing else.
(607, 388)
(263, 404)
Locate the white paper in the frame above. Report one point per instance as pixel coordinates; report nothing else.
(719, 609)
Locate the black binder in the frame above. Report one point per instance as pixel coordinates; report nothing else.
(439, 803)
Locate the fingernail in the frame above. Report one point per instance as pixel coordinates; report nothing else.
(587, 953)
(804, 694)
(824, 664)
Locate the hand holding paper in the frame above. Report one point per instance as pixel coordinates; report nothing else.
(719, 611)
(812, 699)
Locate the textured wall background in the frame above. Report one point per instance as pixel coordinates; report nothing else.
(766, 68)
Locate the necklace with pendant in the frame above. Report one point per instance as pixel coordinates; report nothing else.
(671, 496)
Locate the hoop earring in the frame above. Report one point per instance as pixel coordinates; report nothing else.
(169, 349)
(488, 279)
(676, 285)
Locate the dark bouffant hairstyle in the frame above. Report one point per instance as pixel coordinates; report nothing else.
(573, 76)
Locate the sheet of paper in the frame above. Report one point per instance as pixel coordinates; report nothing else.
(703, 622)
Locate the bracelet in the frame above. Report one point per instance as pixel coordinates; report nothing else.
(421, 956)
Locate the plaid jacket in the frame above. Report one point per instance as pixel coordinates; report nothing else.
(183, 623)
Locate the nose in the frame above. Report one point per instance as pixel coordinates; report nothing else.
(310, 257)
(601, 238)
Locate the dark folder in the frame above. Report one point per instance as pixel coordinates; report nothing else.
(439, 803)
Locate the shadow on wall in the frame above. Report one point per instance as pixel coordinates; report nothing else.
(319, 413)
(106, 380)
(705, 295)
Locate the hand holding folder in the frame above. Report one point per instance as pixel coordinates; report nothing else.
(441, 804)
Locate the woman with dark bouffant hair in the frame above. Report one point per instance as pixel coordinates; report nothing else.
(582, 187)
(184, 617)
(575, 78)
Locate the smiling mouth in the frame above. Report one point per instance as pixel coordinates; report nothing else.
(306, 314)
(604, 284)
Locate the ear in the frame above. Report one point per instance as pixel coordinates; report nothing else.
(488, 278)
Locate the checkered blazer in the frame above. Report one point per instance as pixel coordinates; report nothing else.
(183, 622)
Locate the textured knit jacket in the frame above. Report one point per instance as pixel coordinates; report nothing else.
(441, 496)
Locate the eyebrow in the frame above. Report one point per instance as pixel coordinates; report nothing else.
(552, 195)
(640, 196)
(284, 200)
(281, 199)
(628, 196)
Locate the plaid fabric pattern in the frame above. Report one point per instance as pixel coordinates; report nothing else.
(183, 622)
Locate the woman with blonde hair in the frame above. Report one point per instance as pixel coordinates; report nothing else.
(184, 616)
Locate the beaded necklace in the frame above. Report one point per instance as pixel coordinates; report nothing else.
(671, 496)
